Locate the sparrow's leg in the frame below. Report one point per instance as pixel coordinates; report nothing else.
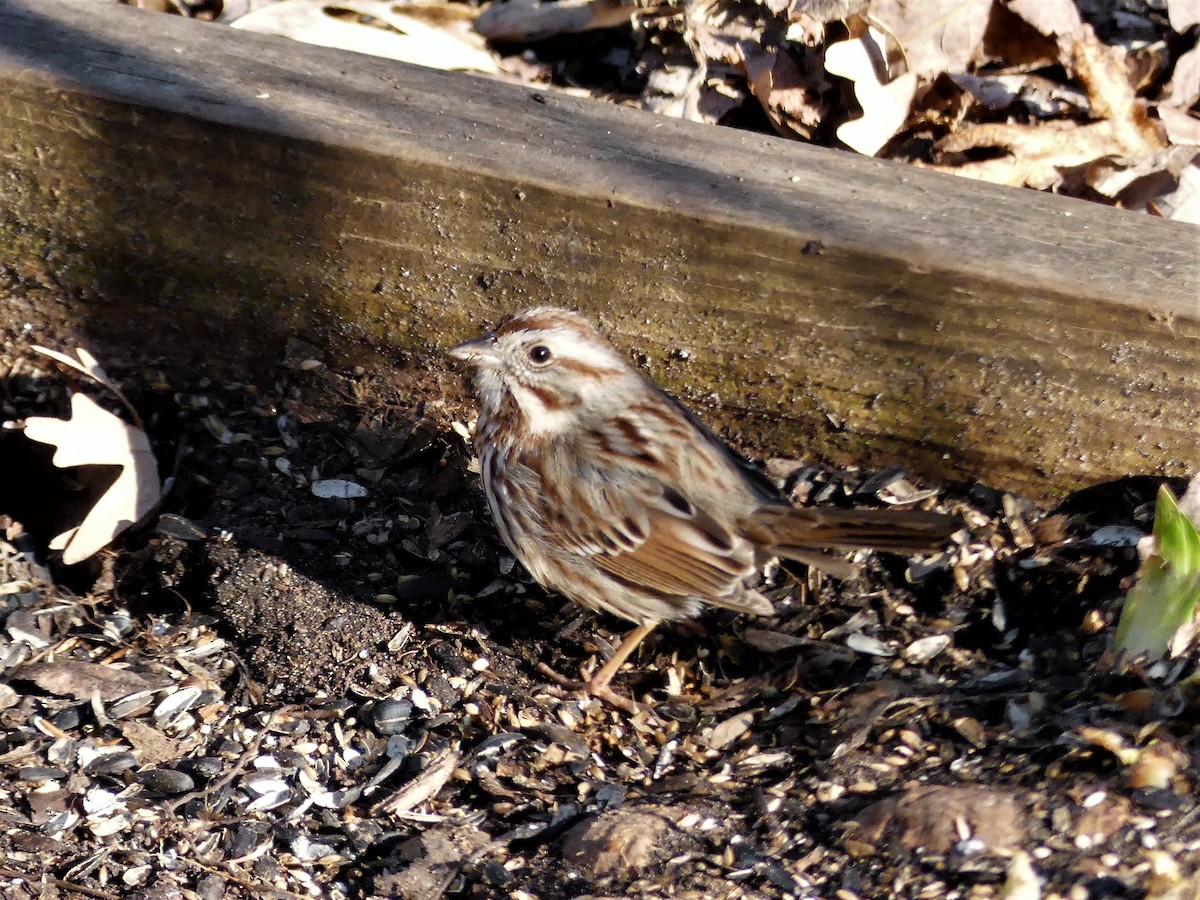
(598, 685)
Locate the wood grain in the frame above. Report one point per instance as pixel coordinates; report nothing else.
(225, 191)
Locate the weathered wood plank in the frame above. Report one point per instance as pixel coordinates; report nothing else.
(228, 189)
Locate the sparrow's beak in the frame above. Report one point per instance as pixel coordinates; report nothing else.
(481, 352)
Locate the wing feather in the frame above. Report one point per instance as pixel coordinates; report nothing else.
(649, 538)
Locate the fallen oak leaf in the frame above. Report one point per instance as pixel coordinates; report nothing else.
(1102, 71)
(1183, 14)
(885, 104)
(1184, 86)
(1181, 126)
(93, 436)
(1178, 97)
(1038, 154)
(1034, 94)
(88, 365)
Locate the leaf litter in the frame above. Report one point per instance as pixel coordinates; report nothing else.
(1080, 98)
(337, 696)
(392, 30)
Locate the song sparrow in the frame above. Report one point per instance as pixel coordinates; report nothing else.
(615, 495)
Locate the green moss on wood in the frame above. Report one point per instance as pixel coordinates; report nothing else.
(224, 241)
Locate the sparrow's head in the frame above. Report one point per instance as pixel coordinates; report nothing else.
(552, 363)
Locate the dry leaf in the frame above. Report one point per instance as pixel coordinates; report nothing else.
(1036, 95)
(807, 19)
(717, 98)
(826, 11)
(1189, 503)
(789, 99)
(1183, 89)
(81, 680)
(1037, 153)
(885, 104)
(1180, 125)
(530, 20)
(1041, 152)
(1183, 14)
(712, 88)
(1183, 205)
(1104, 75)
(1136, 182)
(150, 744)
(95, 437)
(398, 35)
(1013, 45)
(937, 35)
(717, 37)
(996, 93)
(693, 94)
(1050, 17)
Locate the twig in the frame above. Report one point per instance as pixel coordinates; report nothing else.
(238, 767)
(256, 888)
(60, 884)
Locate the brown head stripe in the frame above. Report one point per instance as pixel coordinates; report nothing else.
(586, 369)
(540, 320)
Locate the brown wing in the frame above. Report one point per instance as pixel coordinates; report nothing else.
(649, 537)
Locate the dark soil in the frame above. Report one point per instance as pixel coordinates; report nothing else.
(901, 734)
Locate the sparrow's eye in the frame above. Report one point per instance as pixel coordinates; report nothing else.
(539, 354)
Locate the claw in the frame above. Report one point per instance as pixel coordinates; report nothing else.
(593, 687)
(597, 685)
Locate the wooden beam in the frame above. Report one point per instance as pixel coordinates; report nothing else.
(219, 191)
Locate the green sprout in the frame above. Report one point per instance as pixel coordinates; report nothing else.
(1168, 584)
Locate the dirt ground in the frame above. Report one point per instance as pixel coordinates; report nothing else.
(340, 698)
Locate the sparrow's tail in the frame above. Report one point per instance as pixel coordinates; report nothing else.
(801, 534)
